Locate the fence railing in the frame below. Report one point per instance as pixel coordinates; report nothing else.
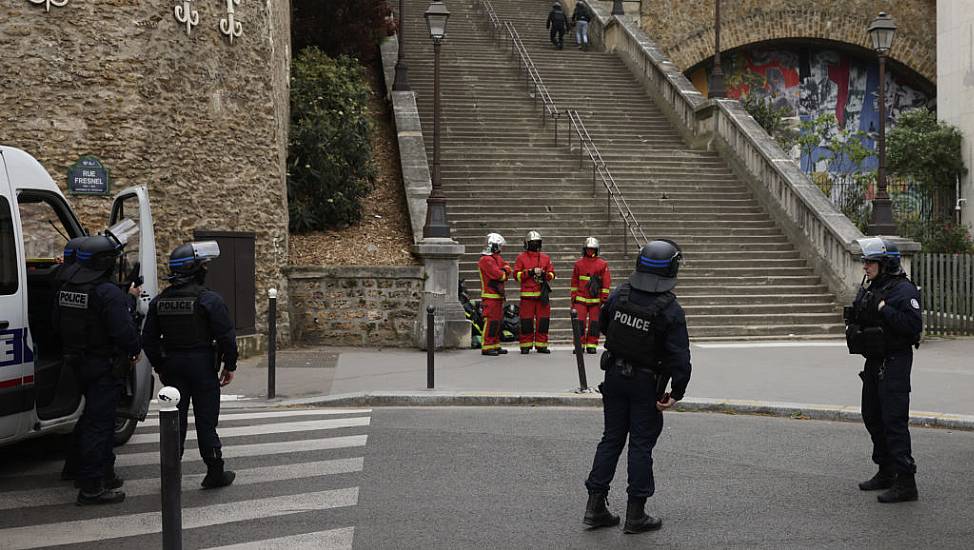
(946, 284)
(505, 31)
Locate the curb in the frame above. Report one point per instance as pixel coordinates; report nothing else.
(440, 398)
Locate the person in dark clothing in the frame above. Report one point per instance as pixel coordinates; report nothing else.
(188, 331)
(100, 342)
(581, 18)
(557, 24)
(647, 345)
(883, 324)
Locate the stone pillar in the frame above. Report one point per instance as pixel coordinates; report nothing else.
(441, 264)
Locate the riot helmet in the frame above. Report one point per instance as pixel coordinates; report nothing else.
(188, 261)
(95, 258)
(532, 241)
(876, 249)
(593, 243)
(495, 242)
(657, 266)
(70, 264)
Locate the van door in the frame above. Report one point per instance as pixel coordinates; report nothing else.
(16, 357)
(139, 254)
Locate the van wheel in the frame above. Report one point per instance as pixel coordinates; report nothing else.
(124, 428)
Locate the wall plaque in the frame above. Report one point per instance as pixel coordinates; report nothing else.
(88, 176)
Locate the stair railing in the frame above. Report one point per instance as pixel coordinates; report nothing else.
(600, 170)
(532, 79)
(495, 23)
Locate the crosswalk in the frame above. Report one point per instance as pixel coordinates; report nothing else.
(296, 488)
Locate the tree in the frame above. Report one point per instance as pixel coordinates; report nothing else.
(339, 27)
(925, 149)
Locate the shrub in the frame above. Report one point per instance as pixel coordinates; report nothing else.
(925, 149)
(340, 27)
(330, 164)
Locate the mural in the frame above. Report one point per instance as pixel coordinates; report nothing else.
(811, 81)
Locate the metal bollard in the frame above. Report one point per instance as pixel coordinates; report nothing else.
(430, 345)
(579, 352)
(171, 470)
(271, 343)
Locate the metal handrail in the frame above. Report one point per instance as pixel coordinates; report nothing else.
(492, 18)
(549, 108)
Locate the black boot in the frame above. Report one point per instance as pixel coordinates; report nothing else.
(904, 489)
(542, 350)
(525, 351)
(596, 512)
(93, 491)
(215, 475)
(882, 480)
(501, 351)
(636, 519)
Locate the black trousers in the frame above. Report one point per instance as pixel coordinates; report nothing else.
(196, 379)
(558, 37)
(629, 406)
(95, 433)
(886, 410)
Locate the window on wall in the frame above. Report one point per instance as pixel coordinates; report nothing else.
(8, 250)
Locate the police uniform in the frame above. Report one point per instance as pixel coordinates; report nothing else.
(884, 323)
(647, 344)
(99, 337)
(188, 331)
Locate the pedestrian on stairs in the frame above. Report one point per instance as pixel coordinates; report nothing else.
(580, 18)
(557, 24)
(534, 271)
(591, 282)
(494, 271)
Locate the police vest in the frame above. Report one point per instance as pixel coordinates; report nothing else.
(867, 335)
(182, 321)
(82, 331)
(635, 332)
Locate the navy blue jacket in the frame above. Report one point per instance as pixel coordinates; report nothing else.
(221, 327)
(901, 316)
(676, 342)
(111, 305)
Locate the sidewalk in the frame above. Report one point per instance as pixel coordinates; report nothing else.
(801, 374)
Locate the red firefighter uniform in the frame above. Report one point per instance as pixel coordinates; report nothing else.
(493, 272)
(535, 309)
(588, 296)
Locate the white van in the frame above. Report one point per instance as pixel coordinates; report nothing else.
(38, 394)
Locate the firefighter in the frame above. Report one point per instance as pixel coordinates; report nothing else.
(493, 272)
(534, 271)
(590, 288)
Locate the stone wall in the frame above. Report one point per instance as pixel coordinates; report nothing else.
(355, 306)
(685, 30)
(955, 77)
(200, 120)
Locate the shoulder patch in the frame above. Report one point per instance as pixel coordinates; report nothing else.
(914, 303)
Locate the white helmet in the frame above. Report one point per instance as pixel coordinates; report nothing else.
(494, 243)
(593, 243)
(532, 241)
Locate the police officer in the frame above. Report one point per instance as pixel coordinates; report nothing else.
(647, 344)
(181, 327)
(883, 325)
(100, 342)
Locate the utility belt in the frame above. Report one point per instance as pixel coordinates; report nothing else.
(625, 367)
(866, 341)
(192, 350)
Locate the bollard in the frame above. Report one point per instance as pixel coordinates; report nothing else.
(579, 352)
(169, 454)
(430, 344)
(271, 342)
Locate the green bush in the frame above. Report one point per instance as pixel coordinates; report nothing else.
(940, 237)
(925, 149)
(330, 164)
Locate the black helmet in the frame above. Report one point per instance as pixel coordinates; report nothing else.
(876, 249)
(70, 256)
(95, 258)
(187, 260)
(657, 266)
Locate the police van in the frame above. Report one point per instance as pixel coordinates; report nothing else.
(38, 393)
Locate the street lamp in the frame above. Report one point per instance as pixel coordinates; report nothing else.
(617, 8)
(716, 88)
(401, 83)
(881, 32)
(436, 226)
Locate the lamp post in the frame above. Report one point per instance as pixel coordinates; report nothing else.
(401, 83)
(436, 226)
(716, 88)
(618, 8)
(881, 32)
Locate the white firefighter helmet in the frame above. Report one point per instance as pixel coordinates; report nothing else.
(593, 243)
(494, 243)
(530, 239)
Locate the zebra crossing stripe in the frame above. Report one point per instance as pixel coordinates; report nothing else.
(333, 539)
(106, 528)
(264, 429)
(229, 452)
(153, 420)
(12, 500)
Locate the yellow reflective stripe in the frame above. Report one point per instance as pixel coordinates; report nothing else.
(489, 347)
(574, 288)
(587, 300)
(530, 294)
(605, 291)
(526, 344)
(584, 278)
(541, 344)
(497, 296)
(518, 276)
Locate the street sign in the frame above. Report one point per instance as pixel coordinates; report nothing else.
(88, 176)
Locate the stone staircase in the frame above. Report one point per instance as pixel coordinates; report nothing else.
(502, 172)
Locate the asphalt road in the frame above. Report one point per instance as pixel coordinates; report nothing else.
(498, 478)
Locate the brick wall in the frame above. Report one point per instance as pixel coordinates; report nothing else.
(355, 306)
